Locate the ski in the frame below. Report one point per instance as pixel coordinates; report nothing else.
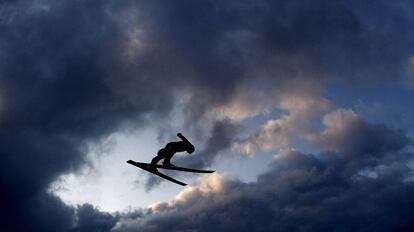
(148, 169)
(172, 167)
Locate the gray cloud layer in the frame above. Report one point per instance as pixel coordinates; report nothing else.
(74, 71)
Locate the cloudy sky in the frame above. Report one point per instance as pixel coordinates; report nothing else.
(304, 109)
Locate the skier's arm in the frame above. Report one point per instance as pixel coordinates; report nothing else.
(182, 137)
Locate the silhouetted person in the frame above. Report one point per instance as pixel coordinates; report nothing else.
(171, 148)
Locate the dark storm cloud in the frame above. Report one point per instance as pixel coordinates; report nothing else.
(61, 87)
(91, 219)
(221, 45)
(72, 72)
(304, 192)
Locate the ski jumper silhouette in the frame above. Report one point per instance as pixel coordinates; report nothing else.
(167, 153)
(171, 148)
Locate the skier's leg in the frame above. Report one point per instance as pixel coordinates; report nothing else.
(160, 156)
(155, 160)
(167, 160)
(168, 155)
